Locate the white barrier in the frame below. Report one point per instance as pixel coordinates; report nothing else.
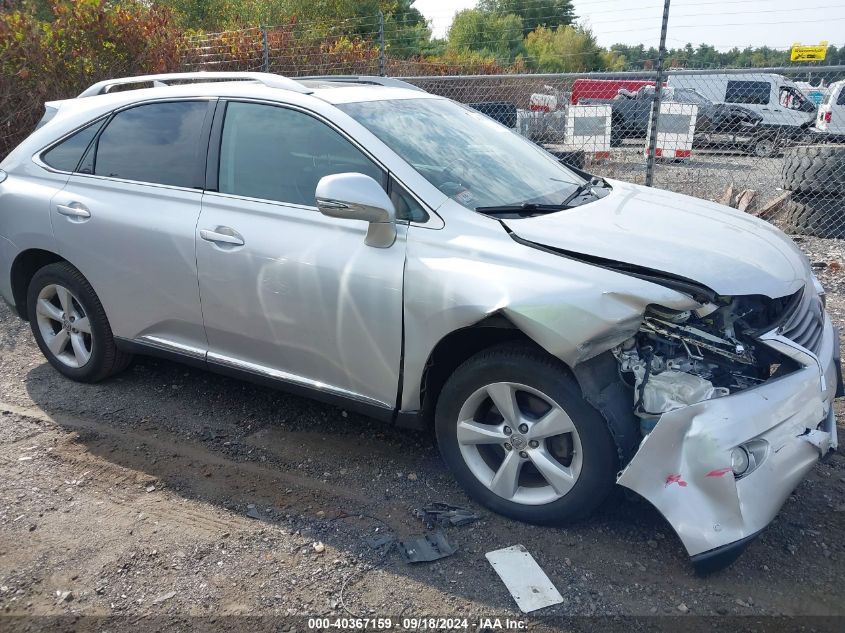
(588, 129)
(675, 130)
(538, 102)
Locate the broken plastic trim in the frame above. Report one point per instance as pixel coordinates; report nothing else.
(697, 291)
(426, 549)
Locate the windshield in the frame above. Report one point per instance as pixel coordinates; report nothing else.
(465, 154)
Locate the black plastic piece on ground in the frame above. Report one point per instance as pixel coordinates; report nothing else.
(444, 515)
(718, 559)
(427, 548)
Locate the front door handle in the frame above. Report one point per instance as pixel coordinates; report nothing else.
(222, 238)
(74, 210)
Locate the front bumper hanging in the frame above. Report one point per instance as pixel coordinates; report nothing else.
(683, 467)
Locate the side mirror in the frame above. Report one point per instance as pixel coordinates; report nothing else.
(358, 197)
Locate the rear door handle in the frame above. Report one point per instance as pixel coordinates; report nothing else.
(222, 238)
(74, 210)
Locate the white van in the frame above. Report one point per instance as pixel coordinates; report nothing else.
(777, 99)
(831, 116)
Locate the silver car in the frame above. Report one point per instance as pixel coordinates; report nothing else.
(396, 253)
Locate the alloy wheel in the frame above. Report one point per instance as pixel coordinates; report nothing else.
(519, 443)
(64, 325)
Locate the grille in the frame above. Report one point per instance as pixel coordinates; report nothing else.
(806, 325)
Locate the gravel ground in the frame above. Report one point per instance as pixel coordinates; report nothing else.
(706, 175)
(169, 493)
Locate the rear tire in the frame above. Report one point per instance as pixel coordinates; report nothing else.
(765, 147)
(562, 460)
(70, 325)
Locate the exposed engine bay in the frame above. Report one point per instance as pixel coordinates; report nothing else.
(680, 358)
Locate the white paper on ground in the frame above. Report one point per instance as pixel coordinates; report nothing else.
(524, 578)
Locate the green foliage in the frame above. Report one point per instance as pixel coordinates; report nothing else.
(495, 36)
(58, 53)
(406, 31)
(565, 49)
(706, 56)
(534, 13)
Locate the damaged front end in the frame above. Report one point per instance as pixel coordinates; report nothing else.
(734, 401)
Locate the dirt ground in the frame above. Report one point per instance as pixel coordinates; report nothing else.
(169, 497)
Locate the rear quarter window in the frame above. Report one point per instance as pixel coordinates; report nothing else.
(840, 100)
(65, 156)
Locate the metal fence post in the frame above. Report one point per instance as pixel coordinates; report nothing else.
(381, 44)
(655, 107)
(265, 58)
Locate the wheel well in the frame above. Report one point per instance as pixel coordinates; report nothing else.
(458, 346)
(23, 269)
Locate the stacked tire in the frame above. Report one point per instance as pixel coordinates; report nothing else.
(815, 174)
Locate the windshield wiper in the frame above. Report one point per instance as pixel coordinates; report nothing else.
(532, 208)
(582, 189)
(526, 208)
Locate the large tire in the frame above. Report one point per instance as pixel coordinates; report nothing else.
(61, 303)
(819, 216)
(586, 454)
(818, 169)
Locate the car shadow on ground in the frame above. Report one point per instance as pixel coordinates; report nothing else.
(336, 476)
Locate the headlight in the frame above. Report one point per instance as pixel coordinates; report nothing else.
(739, 461)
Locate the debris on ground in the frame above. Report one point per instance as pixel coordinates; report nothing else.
(64, 596)
(164, 597)
(252, 512)
(432, 546)
(768, 210)
(443, 515)
(524, 578)
(319, 547)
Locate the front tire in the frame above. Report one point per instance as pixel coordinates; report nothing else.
(513, 427)
(70, 325)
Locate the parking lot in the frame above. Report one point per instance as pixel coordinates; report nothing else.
(172, 491)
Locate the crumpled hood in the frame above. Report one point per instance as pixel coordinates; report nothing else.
(726, 250)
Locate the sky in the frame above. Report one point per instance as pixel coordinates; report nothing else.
(722, 23)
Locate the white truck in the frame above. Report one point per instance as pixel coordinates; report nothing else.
(774, 97)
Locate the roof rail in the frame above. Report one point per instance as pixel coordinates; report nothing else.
(376, 80)
(268, 79)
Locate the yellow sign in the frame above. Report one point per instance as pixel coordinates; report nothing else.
(815, 53)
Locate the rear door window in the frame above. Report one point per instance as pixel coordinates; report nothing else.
(748, 92)
(156, 143)
(66, 155)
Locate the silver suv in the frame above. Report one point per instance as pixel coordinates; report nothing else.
(396, 253)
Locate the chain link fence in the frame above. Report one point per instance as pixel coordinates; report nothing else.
(768, 141)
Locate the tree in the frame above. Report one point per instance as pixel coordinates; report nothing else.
(565, 49)
(406, 31)
(534, 13)
(496, 36)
